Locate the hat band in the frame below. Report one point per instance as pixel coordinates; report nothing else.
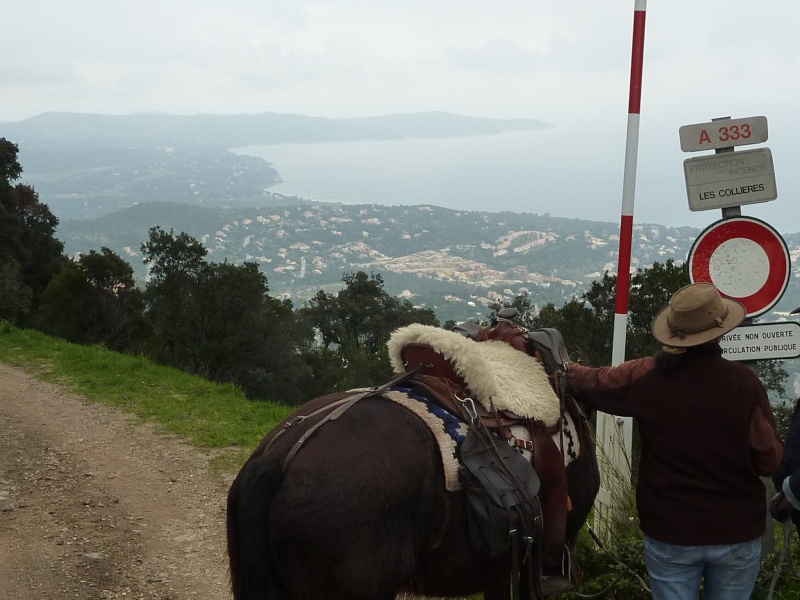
(682, 333)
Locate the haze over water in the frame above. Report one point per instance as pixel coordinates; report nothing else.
(556, 171)
(519, 171)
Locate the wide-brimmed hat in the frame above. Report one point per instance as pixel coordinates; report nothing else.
(696, 314)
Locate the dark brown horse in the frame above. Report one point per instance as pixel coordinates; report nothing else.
(349, 500)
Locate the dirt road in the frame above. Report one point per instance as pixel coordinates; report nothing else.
(94, 505)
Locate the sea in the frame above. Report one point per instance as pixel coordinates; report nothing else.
(548, 171)
(573, 171)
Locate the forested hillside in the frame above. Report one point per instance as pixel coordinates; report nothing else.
(455, 262)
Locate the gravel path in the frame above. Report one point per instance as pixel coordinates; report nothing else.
(95, 505)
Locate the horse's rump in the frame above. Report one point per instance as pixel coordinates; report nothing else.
(363, 502)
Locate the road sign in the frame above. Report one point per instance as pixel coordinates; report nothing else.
(746, 259)
(730, 179)
(765, 341)
(723, 133)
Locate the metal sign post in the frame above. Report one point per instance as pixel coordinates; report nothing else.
(740, 258)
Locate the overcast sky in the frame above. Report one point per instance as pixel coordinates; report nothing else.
(567, 63)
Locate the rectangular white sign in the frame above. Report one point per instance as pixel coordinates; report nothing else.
(767, 341)
(724, 133)
(730, 179)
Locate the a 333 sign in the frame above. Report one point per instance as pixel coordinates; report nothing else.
(723, 133)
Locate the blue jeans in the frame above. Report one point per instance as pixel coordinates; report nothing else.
(728, 572)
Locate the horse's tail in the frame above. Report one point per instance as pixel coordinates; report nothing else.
(252, 569)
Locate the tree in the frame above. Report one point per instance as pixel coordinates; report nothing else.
(30, 255)
(356, 324)
(95, 300)
(241, 334)
(650, 290)
(587, 335)
(218, 321)
(64, 307)
(15, 296)
(526, 311)
(583, 327)
(174, 263)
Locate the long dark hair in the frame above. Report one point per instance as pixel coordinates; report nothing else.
(668, 360)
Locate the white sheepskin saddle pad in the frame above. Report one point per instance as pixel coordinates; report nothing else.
(496, 374)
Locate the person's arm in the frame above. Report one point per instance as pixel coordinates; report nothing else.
(606, 388)
(599, 379)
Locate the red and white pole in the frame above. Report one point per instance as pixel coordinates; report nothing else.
(615, 434)
(629, 185)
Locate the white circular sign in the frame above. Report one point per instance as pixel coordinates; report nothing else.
(746, 259)
(739, 267)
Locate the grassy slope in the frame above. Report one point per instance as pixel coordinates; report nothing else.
(208, 415)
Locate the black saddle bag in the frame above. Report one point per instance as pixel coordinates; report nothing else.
(501, 489)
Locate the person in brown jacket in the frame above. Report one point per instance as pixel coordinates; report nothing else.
(707, 436)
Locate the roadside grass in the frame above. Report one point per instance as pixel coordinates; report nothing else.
(207, 415)
(219, 417)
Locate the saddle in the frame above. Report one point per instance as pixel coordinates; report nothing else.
(449, 380)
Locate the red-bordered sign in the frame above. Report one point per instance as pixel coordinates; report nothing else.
(746, 259)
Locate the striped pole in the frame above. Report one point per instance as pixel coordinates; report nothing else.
(629, 185)
(615, 434)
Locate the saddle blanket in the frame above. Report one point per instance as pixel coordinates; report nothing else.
(449, 431)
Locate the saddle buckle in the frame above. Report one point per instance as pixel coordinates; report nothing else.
(469, 407)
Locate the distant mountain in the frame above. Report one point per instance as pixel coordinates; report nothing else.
(88, 165)
(229, 131)
(122, 175)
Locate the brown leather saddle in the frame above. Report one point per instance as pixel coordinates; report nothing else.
(450, 389)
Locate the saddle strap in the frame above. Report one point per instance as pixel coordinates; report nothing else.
(548, 461)
(339, 408)
(447, 394)
(549, 464)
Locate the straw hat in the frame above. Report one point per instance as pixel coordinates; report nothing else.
(696, 314)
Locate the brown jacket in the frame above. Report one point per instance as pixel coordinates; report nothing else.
(707, 434)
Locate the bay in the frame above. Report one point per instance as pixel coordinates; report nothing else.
(554, 171)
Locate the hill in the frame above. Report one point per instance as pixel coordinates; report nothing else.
(227, 131)
(457, 262)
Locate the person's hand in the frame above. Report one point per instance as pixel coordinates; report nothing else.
(779, 507)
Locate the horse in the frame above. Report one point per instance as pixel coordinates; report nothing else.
(358, 495)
